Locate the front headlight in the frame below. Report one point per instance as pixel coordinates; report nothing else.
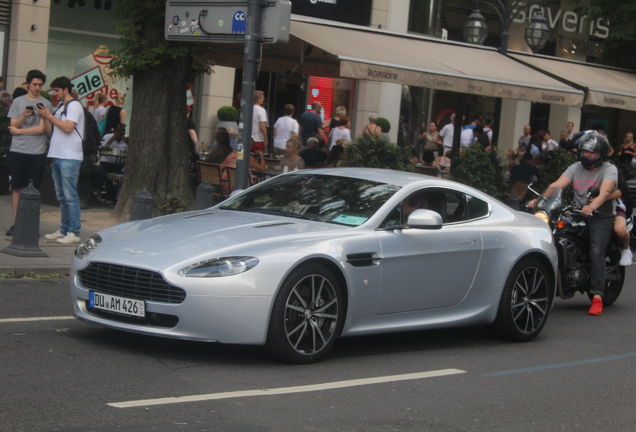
(91, 243)
(543, 216)
(219, 267)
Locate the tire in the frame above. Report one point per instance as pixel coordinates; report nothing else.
(307, 316)
(525, 302)
(614, 279)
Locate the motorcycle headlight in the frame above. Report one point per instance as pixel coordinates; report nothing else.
(543, 216)
(219, 267)
(89, 245)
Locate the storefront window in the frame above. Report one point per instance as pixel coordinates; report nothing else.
(80, 39)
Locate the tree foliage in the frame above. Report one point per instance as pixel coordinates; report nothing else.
(158, 157)
(621, 42)
(480, 169)
(372, 152)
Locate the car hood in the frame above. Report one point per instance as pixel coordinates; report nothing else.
(160, 242)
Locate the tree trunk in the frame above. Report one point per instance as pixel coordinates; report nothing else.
(157, 148)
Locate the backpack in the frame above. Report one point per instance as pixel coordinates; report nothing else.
(91, 138)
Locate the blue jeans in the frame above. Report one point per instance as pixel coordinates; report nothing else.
(65, 173)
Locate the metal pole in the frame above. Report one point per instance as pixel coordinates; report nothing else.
(251, 60)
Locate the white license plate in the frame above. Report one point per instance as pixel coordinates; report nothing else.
(117, 304)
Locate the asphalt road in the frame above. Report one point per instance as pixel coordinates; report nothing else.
(66, 375)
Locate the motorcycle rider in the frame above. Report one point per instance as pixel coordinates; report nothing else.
(592, 169)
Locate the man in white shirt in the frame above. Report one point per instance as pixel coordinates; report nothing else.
(284, 129)
(467, 138)
(548, 143)
(65, 128)
(447, 133)
(259, 123)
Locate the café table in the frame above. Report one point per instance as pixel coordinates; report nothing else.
(120, 159)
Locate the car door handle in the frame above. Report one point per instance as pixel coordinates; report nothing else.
(467, 242)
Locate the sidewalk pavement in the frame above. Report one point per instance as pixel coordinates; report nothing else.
(94, 219)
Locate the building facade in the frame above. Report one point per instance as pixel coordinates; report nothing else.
(73, 38)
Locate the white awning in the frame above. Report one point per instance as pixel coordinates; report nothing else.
(604, 86)
(330, 49)
(371, 54)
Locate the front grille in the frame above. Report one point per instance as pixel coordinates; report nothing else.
(129, 282)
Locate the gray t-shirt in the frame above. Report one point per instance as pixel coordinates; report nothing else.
(28, 144)
(582, 180)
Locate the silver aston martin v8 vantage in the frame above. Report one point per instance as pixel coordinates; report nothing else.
(299, 260)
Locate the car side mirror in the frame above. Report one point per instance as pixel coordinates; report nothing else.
(425, 219)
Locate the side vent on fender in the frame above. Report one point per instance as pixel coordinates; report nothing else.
(363, 259)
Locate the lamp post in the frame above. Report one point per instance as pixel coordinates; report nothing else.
(536, 35)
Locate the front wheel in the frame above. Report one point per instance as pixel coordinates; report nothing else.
(307, 316)
(525, 302)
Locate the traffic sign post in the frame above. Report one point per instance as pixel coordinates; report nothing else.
(250, 21)
(225, 21)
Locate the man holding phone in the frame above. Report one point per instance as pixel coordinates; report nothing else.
(27, 154)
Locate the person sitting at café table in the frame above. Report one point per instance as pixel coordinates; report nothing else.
(313, 155)
(292, 159)
(257, 162)
(222, 149)
(336, 156)
(113, 144)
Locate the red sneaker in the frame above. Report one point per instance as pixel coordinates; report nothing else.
(597, 307)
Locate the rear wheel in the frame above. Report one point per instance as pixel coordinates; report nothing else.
(614, 279)
(525, 302)
(307, 316)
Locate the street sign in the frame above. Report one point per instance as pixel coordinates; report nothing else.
(224, 21)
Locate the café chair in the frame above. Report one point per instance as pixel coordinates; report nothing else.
(211, 172)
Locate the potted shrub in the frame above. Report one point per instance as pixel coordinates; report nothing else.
(480, 169)
(372, 152)
(228, 117)
(385, 125)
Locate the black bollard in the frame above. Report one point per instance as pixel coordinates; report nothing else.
(142, 206)
(205, 196)
(26, 233)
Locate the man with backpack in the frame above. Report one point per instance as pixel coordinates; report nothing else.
(66, 153)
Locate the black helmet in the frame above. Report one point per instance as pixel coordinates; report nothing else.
(591, 141)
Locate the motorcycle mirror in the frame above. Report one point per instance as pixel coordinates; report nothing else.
(534, 179)
(593, 191)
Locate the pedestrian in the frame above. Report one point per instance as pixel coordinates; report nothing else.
(285, 129)
(447, 133)
(27, 154)
(311, 123)
(570, 130)
(259, 124)
(65, 128)
(523, 144)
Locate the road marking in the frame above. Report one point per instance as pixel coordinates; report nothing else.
(55, 318)
(561, 365)
(287, 390)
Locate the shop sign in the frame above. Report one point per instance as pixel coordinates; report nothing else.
(88, 82)
(347, 11)
(568, 21)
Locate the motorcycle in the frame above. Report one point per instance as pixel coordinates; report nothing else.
(571, 238)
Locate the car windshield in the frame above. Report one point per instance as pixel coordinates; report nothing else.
(324, 198)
